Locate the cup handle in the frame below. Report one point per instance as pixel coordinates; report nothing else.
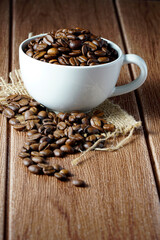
(126, 88)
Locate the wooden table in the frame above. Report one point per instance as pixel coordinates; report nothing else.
(122, 200)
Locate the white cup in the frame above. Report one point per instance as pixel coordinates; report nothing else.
(68, 88)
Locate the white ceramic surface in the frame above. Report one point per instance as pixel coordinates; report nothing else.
(68, 88)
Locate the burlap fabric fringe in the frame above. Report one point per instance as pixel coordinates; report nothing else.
(125, 124)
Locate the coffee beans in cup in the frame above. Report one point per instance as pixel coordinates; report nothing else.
(71, 47)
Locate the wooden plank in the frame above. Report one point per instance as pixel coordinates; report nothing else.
(4, 41)
(146, 45)
(121, 201)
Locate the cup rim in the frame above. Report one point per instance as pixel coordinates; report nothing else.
(115, 46)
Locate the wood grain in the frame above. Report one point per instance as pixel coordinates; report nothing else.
(143, 39)
(4, 52)
(121, 200)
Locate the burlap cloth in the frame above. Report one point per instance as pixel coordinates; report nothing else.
(125, 124)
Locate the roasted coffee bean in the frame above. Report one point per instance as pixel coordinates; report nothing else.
(75, 44)
(14, 121)
(53, 51)
(42, 114)
(48, 170)
(60, 176)
(31, 132)
(61, 125)
(33, 103)
(109, 127)
(34, 146)
(46, 153)
(30, 124)
(64, 172)
(8, 113)
(58, 134)
(70, 142)
(35, 136)
(100, 53)
(62, 116)
(18, 97)
(80, 115)
(38, 159)
(35, 154)
(23, 109)
(19, 127)
(27, 114)
(42, 165)
(23, 102)
(75, 53)
(66, 149)
(85, 120)
(51, 115)
(95, 122)
(24, 149)
(61, 141)
(34, 169)
(78, 183)
(98, 113)
(42, 146)
(103, 59)
(14, 107)
(58, 153)
(54, 146)
(92, 130)
(45, 139)
(27, 162)
(24, 154)
(76, 137)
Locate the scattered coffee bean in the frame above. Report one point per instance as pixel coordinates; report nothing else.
(78, 183)
(34, 169)
(60, 176)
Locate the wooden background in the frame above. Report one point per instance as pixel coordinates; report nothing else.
(122, 200)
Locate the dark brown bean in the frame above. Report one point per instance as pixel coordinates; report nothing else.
(64, 172)
(34, 169)
(61, 141)
(34, 146)
(37, 159)
(92, 130)
(46, 153)
(23, 102)
(24, 154)
(14, 107)
(58, 153)
(23, 109)
(14, 121)
(75, 44)
(19, 127)
(27, 162)
(58, 134)
(8, 113)
(57, 167)
(35, 136)
(42, 146)
(60, 176)
(66, 149)
(78, 183)
(75, 53)
(31, 132)
(48, 170)
(30, 124)
(103, 59)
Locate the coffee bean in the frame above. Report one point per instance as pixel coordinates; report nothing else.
(23, 102)
(23, 109)
(48, 170)
(35, 136)
(38, 159)
(57, 167)
(27, 162)
(34, 146)
(103, 59)
(8, 113)
(76, 137)
(14, 107)
(58, 153)
(42, 114)
(24, 154)
(92, 130)
(46, 153)
(42, 146)
(19, 127)
(58, 134)
(60, 176)
(34, 169)
(100, 53)
(64, 172)
(78, 183)
(53, 51)
(66, 149)
(35, 154)
(14, 121)
(61, 141)
(95, 122)
(75, 44)
(31, 132)
(75, 53)
(54, 146)
(30, 124)
(91, 138)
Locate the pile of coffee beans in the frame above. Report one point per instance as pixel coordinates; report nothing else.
(52, 135)
(74, 47)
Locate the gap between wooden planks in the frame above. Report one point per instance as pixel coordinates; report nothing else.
(121, 201)
(4, 66)
(142, 37)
